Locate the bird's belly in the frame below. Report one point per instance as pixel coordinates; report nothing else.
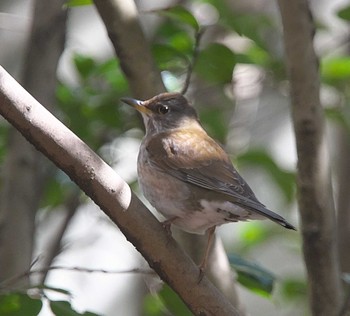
(165, 193)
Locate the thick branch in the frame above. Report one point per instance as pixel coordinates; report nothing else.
(113, 196)
(315, 193)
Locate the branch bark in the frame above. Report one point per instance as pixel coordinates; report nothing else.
(124, 29)
(343, 170)
(314, 185)
(113, 196)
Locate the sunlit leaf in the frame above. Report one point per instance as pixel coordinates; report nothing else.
(181, 14)
(253, 276)
(215, 63)
(336, 68)
(254, 234)
(18, 304)
(78, 3)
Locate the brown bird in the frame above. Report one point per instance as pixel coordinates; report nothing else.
(186, 175)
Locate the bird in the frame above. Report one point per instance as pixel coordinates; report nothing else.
(187, 176)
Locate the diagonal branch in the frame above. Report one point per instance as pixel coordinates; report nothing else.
(314, 183)
(113, 195)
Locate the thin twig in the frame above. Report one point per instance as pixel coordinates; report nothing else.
(44, 270)
(198, 37)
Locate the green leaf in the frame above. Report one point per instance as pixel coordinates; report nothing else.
(253, 26)
(64, 308)
(336, 69)
(283, 178)
(167, 57)
(344, 13)
(18, 304)
(216, 63)
(84, 65)
(252, 276)
(153, 306)
(214, 120)
(173, 302)
(254, 234)
(292, 289)
(337, 115)
(78, 3)
(180, 14)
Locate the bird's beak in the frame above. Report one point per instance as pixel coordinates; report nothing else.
(137, 104)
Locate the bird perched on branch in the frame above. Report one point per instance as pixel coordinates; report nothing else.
(187, 176)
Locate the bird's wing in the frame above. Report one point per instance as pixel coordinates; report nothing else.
(202, 162)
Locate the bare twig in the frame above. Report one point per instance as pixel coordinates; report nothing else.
(314, 185)
(113, 195)
(192, 62)
(4, 284)
(53, 245)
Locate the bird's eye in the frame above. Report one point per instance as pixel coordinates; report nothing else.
(163, 109)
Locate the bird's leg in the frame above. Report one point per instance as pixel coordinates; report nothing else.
(204, 262)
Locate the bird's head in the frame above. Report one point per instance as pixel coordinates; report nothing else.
(164, 112)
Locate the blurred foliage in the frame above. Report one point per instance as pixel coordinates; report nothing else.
(215, 64)
(285, 180)
(19, 304)
(181, 15)
(64, 308)
(252, 276)
(24, 304)
(92, 108)
(344, 13)
(294, 289)
(78, 3)
(165, 302)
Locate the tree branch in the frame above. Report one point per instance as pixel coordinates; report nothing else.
(314, 185)
(113, 195)
(124, 29)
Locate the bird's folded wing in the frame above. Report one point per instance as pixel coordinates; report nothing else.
(205, 164)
